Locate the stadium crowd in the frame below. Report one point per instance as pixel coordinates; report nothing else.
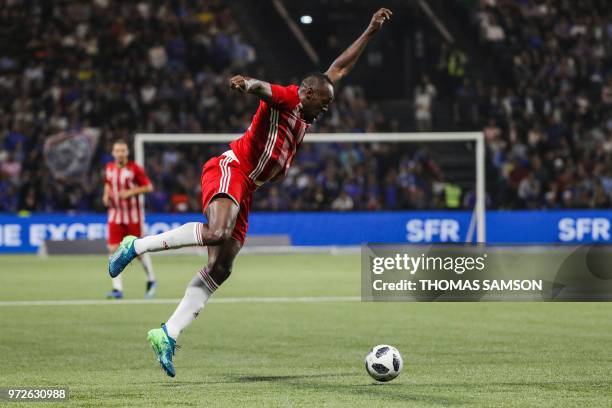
(162, 66)
(549, 120)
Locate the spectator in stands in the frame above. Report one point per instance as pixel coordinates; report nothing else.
(424, 95)
(529, 191)
(343, 202)
(552, 110)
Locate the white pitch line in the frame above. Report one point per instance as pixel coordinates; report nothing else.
(84, 302)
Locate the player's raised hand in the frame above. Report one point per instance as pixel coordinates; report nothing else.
(379, 18)
(238, 82)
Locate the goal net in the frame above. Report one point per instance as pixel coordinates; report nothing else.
(461, 155)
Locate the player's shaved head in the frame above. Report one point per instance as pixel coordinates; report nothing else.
(317, 80)
(316, 93)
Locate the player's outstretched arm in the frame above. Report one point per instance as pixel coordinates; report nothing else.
(345, 62)
(247, 85)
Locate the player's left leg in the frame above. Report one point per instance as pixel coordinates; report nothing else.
(115, 234)
(197, 294)
(145, 261)
(204, 284)
(117, 282)
(147, 266)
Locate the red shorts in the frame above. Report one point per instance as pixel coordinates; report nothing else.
(223, 175)
(116, 232)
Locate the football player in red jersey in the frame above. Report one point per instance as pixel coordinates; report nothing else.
(263, 153)
(124, 182)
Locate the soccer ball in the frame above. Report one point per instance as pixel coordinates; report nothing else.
(384, 363)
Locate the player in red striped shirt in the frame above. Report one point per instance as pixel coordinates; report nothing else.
(263, 153)
(124, 182)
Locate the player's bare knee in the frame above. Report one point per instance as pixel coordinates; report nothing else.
(216, 235)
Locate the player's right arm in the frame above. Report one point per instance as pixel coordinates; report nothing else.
(106, 196)
(252, 86)
(278, 96)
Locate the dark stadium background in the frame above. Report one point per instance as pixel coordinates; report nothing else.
(542, 93)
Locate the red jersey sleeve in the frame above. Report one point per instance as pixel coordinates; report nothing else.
(140, 177)
(284, 97)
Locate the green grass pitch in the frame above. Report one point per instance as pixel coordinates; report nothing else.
(289, 353)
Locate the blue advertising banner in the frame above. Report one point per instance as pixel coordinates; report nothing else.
(25, 234)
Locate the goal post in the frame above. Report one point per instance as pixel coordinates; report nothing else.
(477, 223)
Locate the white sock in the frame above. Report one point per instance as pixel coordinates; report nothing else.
(147, 265)
(189, 234)
(196, 296)
(117, 283)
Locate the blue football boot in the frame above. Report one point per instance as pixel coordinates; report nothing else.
(124, 254)
(163, 346)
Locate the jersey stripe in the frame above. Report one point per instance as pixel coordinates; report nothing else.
(228, 178)
(225, 174)
(116, 196)
(272, 135)
(282, 158)
(222, 180)
(132, 204)
(134, 210)
(273, 128)
(124, 203)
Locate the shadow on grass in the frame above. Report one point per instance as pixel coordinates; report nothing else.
(281, 378)
(394, 391)
(237, 379)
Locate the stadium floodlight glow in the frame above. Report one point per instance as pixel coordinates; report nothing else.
(477, 223)
(306, 19)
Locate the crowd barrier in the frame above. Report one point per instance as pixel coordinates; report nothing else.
(24, 234)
